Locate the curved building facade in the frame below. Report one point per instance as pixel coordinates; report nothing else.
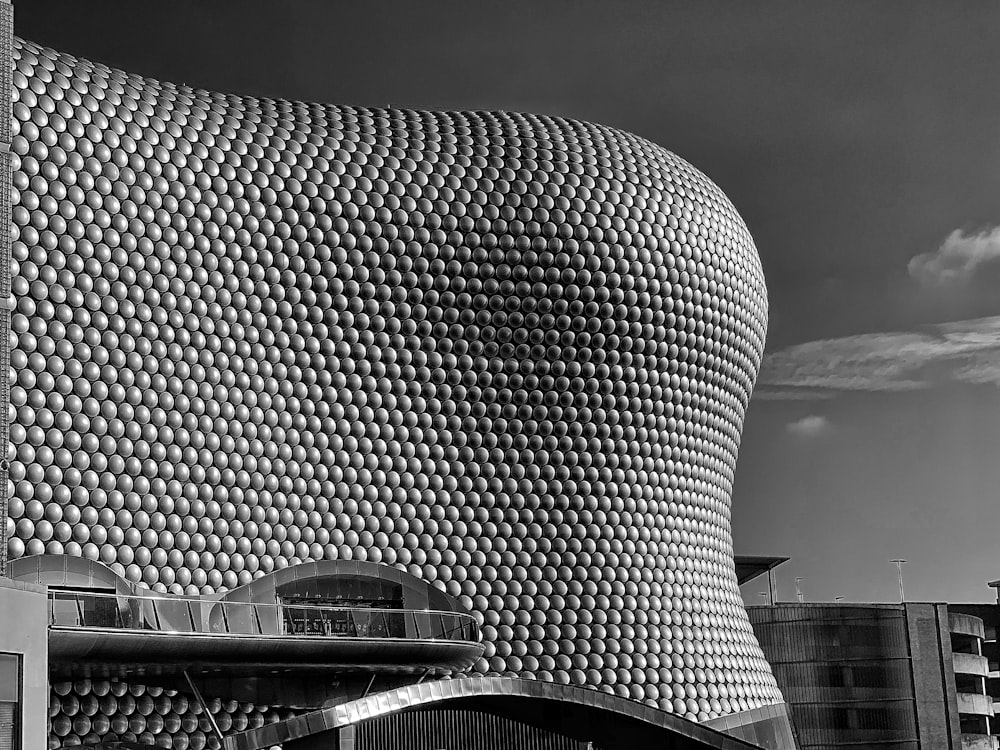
(509, 354)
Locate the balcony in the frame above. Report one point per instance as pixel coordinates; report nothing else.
(978, 705)
(116, 634)
(971, 664)
(968, 625)
(980, 742)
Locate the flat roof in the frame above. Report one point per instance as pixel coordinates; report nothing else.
(749, 567)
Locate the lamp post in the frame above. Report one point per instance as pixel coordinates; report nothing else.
(899, 575)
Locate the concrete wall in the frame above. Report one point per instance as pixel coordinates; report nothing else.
(933, 676)
(24, 631)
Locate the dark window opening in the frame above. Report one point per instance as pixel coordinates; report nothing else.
(967, 683)
(964, 644)
(11, 679)
(973, 724)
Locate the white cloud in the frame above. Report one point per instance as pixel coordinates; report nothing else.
(963, 351)
(958, 258)
(809, 427)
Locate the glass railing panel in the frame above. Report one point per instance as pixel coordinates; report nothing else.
(240, 618)
(296, 621)
(379, 626)
(364, 622)
(423, 625)
(448, 631)
(395, 624)
(72, 609)
(184, 615)
(270, 620)
(107, 612)
(126, 612)
(149, 617)
(65, 612)
(175, 616)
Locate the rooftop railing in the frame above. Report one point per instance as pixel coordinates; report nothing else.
(175, 614)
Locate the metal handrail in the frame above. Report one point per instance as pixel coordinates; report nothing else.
(178, 614)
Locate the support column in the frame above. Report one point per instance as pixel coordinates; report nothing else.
(204, 707)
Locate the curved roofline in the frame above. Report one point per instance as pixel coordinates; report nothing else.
(441, 691)
(68, 570)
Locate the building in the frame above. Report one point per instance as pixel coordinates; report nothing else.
(287, 376)
(909, 676)
(867, 675)
(980, 668)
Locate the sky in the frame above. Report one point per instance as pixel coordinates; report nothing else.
(859, 141)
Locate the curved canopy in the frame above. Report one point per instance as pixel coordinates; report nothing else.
(609, 720)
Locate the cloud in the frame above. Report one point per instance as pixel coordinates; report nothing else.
(809, 427)
(956, 261)
(964, 351)
(791, 394)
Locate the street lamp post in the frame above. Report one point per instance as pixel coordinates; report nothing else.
(899, 574)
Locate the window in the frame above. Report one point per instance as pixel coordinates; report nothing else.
(10, 701)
